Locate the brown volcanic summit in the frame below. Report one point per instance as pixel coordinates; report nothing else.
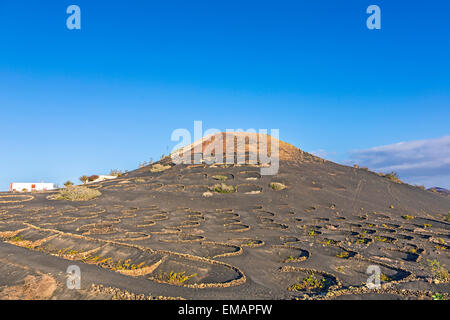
(246, 143)
(224, 231)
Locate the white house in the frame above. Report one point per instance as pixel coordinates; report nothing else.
(32, 186)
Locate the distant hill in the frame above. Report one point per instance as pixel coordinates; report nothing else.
(442, 191)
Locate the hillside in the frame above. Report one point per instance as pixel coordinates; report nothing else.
(219, 231)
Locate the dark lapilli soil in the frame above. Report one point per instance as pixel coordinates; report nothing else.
(156, 235)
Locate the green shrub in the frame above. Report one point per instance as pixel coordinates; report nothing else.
(76, 193)
(176, 277)
(392, 176)
(224, 188)
(310, 283)
(438, 271)
(68, 183)
(277, 186)
(84, 179)
(220, 177)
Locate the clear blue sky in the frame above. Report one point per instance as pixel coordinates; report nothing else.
(109, 95)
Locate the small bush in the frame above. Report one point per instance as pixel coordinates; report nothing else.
(224, 188)
(393, 176)
(159, 168)
(220, 177)
(115, 172)
(310, 283)
(176, 277)
(277, 186)
(438, 271)
(343, 255)
(385, 278)
(407, 217)
(76, 193)
(447, 218)
(68, 183)
(84, 179)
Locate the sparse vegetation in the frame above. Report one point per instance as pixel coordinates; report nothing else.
(115, 172)
(363, 241)
(176, 277)
(385, 278)
(381, 239)
(159, 168)
(310, 283)
(277, 186)
(84, 179)
(393, 176)
(68, 183)
(142, 164)
(76, 193)
(407, 217)
(290, 258)
(438, 271)
(447, 217)
(343, 255)
(224, 188)
(438, 296)
(127, 265)
(220, 177)
(16, 239)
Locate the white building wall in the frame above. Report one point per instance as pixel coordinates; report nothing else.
(30, 186)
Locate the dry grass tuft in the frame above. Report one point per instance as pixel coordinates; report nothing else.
(393, 176)
(159, 168)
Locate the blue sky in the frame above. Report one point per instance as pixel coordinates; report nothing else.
(109, 95)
